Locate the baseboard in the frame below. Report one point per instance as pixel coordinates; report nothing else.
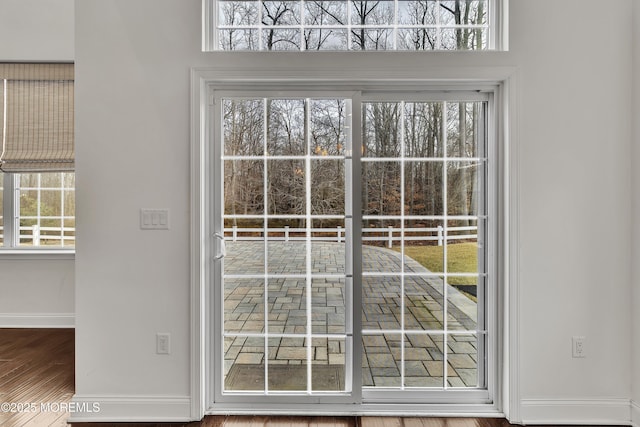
(88, 409)
(635, 413)
(37, 320)
(575, 411)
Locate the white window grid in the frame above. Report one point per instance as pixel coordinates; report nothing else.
(387, 34)
(450, 234)
(42, 230)
(445, 334)
(308, 276)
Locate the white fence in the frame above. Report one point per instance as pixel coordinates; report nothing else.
(38, 238)
(388, 235)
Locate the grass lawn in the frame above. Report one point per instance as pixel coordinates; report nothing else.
(461, 258)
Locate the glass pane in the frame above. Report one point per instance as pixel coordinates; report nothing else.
(287, 364)
(281, 12)
(286, 187)
(463, 12)
(462, 358)
(462, 188)
(424, 351)
(417, 12)
(287, 246)
(29, 203)
(237, 12)
(244, 243)
(462, 246)
(69, 180)
(455, 39)
(325, 39)
(417, 39)
(327, 127)
(328, 305)
(238, 39)
(243, 187)
(328, 369)
(70, 232)
(281, 39)
(243, 127)
(381, 133)
(327, 187)
(463, 119)
(69, 203)
(372, 39)
(287, 306)
(243, 305)
(423, 129)
(381, 302)
(423, 186)
(50, 203)
(381, 246)
(325, 12)
(381, 188)
(244, 363)
(286, 127)
(328, 246)
(50, 180)
(462, 310)
(424, 303)
(28, 180)
(372, 12)
(381, 360)
(424, 246)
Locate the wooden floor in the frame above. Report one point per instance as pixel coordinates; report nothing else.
(37, 366)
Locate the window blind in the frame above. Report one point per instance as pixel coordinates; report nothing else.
(37, 117)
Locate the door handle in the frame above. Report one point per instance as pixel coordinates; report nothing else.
(222, 249)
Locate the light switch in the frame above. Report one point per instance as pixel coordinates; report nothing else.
(154, 219)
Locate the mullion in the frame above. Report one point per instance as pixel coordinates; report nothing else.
(309, 277)
(265, 225)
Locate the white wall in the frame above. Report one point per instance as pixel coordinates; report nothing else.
(635, 253)
(36, 30)
(132, 152)
(36, 292)
(574, 128)
(575, 210)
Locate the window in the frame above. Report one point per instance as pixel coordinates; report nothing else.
(37, 182)
(43, 210)
(338, 25)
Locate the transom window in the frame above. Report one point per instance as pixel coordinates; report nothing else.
(355, 25)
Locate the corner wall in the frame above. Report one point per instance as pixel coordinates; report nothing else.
(36, 291)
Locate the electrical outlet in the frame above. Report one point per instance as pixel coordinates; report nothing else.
(163, 343)
(578, 347)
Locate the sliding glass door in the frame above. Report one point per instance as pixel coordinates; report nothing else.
(349, 247)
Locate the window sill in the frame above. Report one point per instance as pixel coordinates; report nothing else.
(38, 254)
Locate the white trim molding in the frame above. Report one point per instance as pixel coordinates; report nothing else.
(297, 76)
(635, 413)
(96, 408)
(575, 411)
(37, 320)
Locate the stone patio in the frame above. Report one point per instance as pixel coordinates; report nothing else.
(287, 356)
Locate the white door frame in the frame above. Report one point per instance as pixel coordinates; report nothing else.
(501, 82)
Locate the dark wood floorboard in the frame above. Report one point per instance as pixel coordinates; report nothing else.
(37, 366)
